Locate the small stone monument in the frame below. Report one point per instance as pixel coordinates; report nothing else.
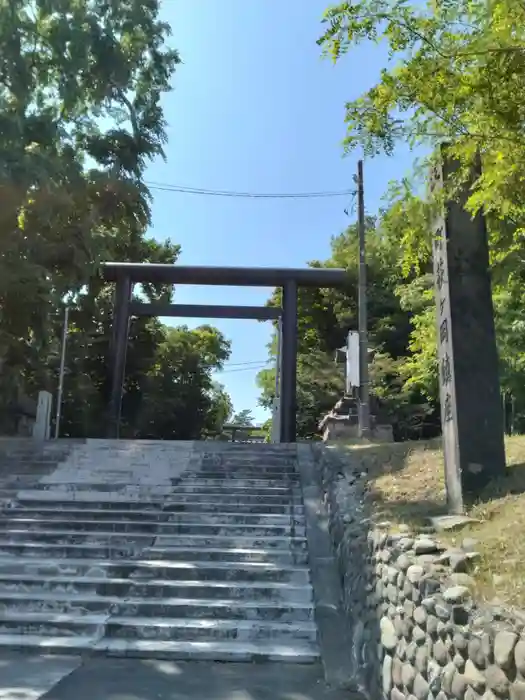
(471, 413)
(42, 427)
(342, 423)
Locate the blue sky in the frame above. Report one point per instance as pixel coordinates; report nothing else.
(255, 108)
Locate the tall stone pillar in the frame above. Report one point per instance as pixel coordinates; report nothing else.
(471, 413)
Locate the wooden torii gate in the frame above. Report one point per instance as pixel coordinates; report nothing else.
(125, 275)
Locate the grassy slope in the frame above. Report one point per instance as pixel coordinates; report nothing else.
(408, 487)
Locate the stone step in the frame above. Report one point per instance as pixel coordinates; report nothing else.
(21, 512)
(89, 498)
(227, 609)
(110, 486)
(146, 569)
(187, 629)
(255, 471)
(253, 460)
(11, 483)
(65, 475)
(294, 543)
(219, 609)
(158, 588)
(31, 448)
(78, 603)
(8, 494)
(50, 624)
(228, 493)
(215, 478)
(211, 571)
(116, 539)
(250, 455)
(236, 590)
(224, 505)
(232, 651)
(227, 482)
(76, 551)
(122, 501)
(226, 554)
(150, 628)
(125, 540)
(248, 458)
(53, 644)
(106, 551)
(247, 473)
(259, 462)
(27, 462)
(171, 507)
(17, 524)
(101, 505)
(258, 486)
(159, 494)
(66, 491)
(227, 518)
(10, 489)
(306, 653)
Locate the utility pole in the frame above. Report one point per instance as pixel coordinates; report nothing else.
(364, 389)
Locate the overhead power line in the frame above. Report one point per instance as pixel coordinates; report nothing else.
(182, 189)
(244, 369)
(244, 364)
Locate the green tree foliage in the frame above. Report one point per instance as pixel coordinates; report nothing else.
(319, 384)
(80, 117)
(326, 316)
(243, 418)
(455, 75)
(180, 399)
(220, 412)
(168, 390)
(80, 83)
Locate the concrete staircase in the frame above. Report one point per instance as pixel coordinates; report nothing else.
(168, 550)
(24, 462)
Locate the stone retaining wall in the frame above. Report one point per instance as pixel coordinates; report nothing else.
(416, 631)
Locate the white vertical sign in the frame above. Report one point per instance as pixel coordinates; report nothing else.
(352, 361)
